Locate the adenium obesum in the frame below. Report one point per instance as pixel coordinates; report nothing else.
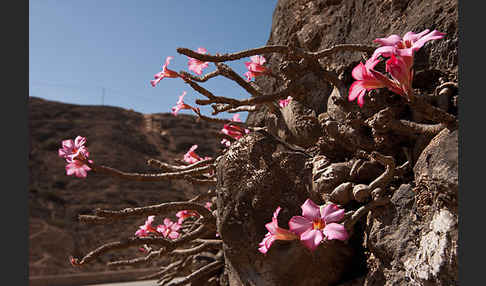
(196, 65)
(181, 105)
(234, 131)
(169, 229)
(284, 102)
(399, 65)
(191, 157)
(255, 67)
(164, 73)
(184, 214)
(76, 155)
(316, 225)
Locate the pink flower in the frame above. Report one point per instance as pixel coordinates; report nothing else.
(255, 67)
(208, 205)
(78, 169)
(181, 105)
(169, 229)
(76, 155)
(275, 233)
(196, 65)
(191, 157)
(401, 74)
(405, 47)
(147, 228)
(366, 79)
(70, 148)
(318, 223)
(284, 102)
(182, 215)
(164, 73)
(234, 131)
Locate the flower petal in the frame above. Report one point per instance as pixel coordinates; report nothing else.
(388, 41)
(434, 35)
(312, 238)
(385, 51)
(310, 210)
(300, 224)
(359, 71)
(332, 213)
(355, 90)
(79, 141)
(335, 231)
(411, 36)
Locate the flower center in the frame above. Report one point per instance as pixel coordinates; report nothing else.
(318, 224)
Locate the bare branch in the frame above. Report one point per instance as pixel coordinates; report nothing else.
(173, 168)
(150, 177)
(233, 56)
(205, 270)
(200, 78)
(139, 241)
(227, 72)
(156, 210)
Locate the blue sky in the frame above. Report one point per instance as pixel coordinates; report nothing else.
(79, 48)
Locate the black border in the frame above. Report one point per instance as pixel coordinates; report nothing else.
(15, 143)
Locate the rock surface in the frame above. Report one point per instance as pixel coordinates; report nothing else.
(255, 176)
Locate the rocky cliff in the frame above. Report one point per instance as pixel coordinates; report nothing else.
(409, 240)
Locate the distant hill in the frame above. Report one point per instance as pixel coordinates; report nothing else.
(115, 137)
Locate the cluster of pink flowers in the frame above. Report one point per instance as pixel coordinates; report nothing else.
(400, 53)
(196, 65)
(316, 225)
(234, 131)
(76, 156)
(255, 67)
(168, 230)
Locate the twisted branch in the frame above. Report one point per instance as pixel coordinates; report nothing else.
(150, 177)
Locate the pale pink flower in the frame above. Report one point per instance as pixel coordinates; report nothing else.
(78, 169)
(147, 228)
(169, 229)
(234, 131)
(181, 105)
(76, 155)
(70, 148)
(275, 233)
(255, 67)
(164, 73)
(182, 215)
(318, 223)
(208, 205)
(191, 157)
(284, 102)
(405, 47)
(196, 65)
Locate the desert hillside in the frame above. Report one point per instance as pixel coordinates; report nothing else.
(116, 137)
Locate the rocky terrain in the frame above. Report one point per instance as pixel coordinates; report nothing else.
(116, 137)
(392, 165)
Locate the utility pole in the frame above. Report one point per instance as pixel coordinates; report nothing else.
(102, 96)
